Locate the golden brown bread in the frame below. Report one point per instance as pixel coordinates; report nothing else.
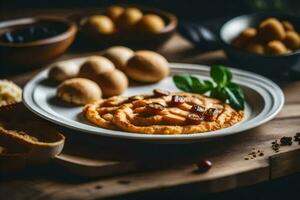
(79, 91)
(112, 82)
(23, 142)
(147, 66)
(63, 71)
(95, 65)
(119, 55)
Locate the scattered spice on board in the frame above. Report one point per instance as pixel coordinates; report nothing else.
(297, 138)
(254, 154)
(284, 141)
(275, 146)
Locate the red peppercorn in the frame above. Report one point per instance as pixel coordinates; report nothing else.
(204, 165)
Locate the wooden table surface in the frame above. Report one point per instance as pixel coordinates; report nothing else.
(229, 171)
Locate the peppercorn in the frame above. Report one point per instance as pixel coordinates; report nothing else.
(204, 165)
(284, 141)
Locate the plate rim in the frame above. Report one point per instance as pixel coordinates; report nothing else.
(273, 111)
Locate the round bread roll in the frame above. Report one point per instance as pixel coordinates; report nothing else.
(95, 65)
(271, 29)
(151, 23)
(119, 55)
(112, 83)
(100, 24)
(129, 18)
(63, 71)
(114, 12)
(275, 47)
(147, 66)
(79, 91)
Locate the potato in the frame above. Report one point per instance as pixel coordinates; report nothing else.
(129, 18)
(288, 26)
(100, 24)
(275, 47)
(114, 12)
(245, 37)
(292, 40)
(271, 29)
(256, 48)
(151, 23)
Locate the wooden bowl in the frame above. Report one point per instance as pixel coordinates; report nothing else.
(131, 39)
(37, 52)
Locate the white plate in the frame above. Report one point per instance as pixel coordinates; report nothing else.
(264, 100)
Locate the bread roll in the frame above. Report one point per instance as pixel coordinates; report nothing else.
(112, 83)
(63, 71)
(147, 66)
(119, 55)
(95, 65)
(79, 91)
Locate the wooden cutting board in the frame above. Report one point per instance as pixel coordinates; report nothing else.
(157, 166)
(133, 167)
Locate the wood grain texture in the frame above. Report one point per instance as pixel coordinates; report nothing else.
(173, 165)
(156, 167)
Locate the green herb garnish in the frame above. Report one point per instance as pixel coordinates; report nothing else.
(221, 87)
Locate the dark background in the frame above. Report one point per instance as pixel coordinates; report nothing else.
(184, 9)
(192, 10)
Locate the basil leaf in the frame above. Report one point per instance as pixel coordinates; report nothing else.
(200, 86)
(220, 74)
(219, 93)
(183, 82)
(234, 98)
(237, 89)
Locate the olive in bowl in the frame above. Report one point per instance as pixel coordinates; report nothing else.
(261, 42)
(31, 42)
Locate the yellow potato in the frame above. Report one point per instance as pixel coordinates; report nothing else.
(129, 18)
(271, 29)
(288, 26)
(256, 48)
(100, 24)
(245, 37)
(114, 12)
(151, 23)
(275, 47)
(292, 40)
